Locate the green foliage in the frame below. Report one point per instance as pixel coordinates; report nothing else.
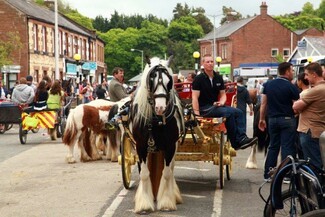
(183, 11)
(10, 43)
(184, 29)
(80, 19)
(307, 18)
(118, 50)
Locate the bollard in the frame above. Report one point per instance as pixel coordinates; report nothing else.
(322, 147)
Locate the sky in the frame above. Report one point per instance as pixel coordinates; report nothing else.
(164, 8)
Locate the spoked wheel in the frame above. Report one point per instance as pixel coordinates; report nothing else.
(22, 134)
(3, 128)
(221, 168)
(127, 160)
(228, 166)
(60, 127)
(315, 213)
(8, 126)
(269, 211)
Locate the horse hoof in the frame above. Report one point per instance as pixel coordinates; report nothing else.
(71, 160)
(144, 212)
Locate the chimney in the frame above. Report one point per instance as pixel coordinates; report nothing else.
(263, 8)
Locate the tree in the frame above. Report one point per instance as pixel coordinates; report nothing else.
(118, 50)
(10, 43)
(80, 19)
(100, 23)
(183, 11)
(226, 11)
(184, 29)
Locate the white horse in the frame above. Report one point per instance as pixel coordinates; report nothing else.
(156, 122)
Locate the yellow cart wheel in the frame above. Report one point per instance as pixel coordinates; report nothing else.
(127, 160)
(228, 166)
(221, 164)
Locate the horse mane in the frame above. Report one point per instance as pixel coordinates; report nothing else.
(141, 97)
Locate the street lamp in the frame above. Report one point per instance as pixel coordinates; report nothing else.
(214, 29)
(196, 56)
(56, 39)
(218, 60)
(132, 49)
(77, 58)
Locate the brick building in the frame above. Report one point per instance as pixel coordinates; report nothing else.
(35, 26)
(249, 47)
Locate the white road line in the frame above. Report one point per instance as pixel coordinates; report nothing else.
(217, 203)
(193, 196)
(191, 168)
(112, 208)
(191, 181)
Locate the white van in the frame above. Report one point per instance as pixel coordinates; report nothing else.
(251, 82)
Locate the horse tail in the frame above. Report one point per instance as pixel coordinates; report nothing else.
(263, 137)
(70, 132)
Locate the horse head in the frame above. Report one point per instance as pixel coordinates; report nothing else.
(159, 84)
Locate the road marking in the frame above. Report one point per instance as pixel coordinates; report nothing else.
(193, 196)
(191, 168)
(115, 204)
(191, 181)
(217, 203)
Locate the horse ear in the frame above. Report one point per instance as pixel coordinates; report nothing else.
(169, 61)
(148, 60)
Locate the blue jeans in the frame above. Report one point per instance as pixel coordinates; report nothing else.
(310, 148)
(282, 131)
(234, 121)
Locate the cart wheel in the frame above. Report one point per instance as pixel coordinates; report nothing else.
(3, 128)
(22, 134)
(221, 166)
(126, 154)
(8, 126)
(229, 166)
(60, 127)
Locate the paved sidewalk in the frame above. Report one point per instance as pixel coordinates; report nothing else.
(38, 182)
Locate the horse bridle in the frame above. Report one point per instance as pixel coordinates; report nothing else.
(150, 80)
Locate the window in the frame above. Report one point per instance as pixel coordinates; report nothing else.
(75, 45)
(274, 52)
(35, 37)
(286, 52)
(44, 39)
(224, 51)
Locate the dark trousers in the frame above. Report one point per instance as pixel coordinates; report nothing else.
(234, 121)
(310, 149)
(283, 133)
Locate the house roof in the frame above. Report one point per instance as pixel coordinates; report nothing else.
(227, 29)
(316, 47)
(32, 10)
(301, 31)
(317, 42)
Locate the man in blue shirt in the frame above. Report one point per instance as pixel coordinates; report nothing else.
(277, 100)
(208, 100)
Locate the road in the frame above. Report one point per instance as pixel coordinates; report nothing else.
(36, 181)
